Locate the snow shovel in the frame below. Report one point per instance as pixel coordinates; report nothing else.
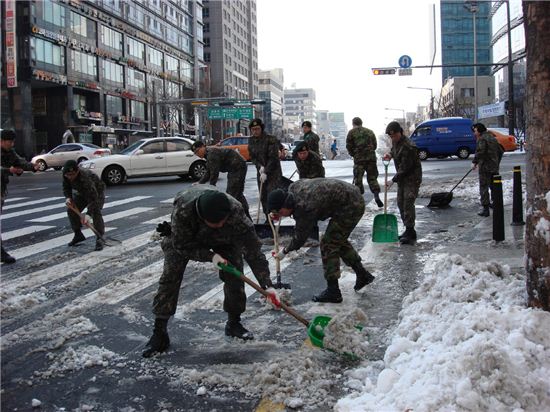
(443, 199)
(385, 226)
(107, 241)
(279, 284)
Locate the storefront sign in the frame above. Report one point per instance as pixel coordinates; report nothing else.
(87, 85)
(60, 38)
(491, 110)
(128, 119)
(11, 46)
(82, 114)
(49, 77)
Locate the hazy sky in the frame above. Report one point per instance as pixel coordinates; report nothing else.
(331, 46)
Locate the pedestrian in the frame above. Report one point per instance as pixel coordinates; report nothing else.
(312, 139)
(67, 137)
(224, 160)
(83, 189)
(487, 158)
(308, 162)
(408, 178)
(264, 153)
(311, 200)
(361, 145)
(334, 149)
(12, 164)
(207, 226)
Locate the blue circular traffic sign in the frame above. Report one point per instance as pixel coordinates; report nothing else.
(405, 61)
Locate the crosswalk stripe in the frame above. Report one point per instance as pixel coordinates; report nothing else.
(24, 231)
(126, 213)
(171, 200)
(37, 188)
(14, 199)
(32, 202)
(158, 220)
(56, 216)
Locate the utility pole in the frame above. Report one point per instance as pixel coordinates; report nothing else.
(472, 7)
(511, 103)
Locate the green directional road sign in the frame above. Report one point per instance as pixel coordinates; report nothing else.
(218, 113)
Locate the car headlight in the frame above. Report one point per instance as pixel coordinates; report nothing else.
(90, 165)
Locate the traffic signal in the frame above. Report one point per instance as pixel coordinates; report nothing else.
(378, 72)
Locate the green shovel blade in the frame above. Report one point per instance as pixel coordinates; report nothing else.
(385, 229)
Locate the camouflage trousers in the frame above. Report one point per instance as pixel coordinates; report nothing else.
(335, 244)
(273, 182)
(94, 211)
(235, 187)
(165, 301)
(407, 192)
(371, 169)
(485, 183)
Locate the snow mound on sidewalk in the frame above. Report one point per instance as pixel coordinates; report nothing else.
(465, 341)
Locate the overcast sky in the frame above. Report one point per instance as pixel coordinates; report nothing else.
(331, 46)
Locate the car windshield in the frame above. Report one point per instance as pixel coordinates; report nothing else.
(132, 147)
(93, 146)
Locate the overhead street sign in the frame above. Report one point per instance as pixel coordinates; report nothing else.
(233, 113)
(405, 61)
(405, 72)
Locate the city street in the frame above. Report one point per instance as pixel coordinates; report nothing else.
(74, 321)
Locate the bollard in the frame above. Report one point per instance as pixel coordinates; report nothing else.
(517, 207)
(498, 209)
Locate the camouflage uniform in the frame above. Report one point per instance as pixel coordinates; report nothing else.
(192, 239)
(361, 145)
(408, 178)
(90, 192)
(312, 140)
(310, 168)
(487, 157)
(230, 161)
(264, 151)
(320, 199)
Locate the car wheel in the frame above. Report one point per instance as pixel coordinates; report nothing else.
(81, 159)
(463, 153)
(423, 154)
(41, 165)
(113, 175)
(197, 170)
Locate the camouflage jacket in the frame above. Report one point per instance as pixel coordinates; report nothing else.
(221, 160)
(320, 199)
(11, 158)
(311, 167)
(407, 162)
(312, 140)
(488, 153)
(361, 145)
(193, 239)
(264, 151)
(88, 185)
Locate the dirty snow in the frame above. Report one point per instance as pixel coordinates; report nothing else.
(341, 335)
(465, 341)
(542, 229)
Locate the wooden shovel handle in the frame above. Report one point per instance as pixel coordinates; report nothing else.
(88, 224)
(276, 242)
(259, 200)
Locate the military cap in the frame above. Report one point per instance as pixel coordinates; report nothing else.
(196, 145)
(213, 206)
(256, 122)
(393, 127)
(70, 166)
(357, 121)
(8, 134)
(278, 199)
(301, 145)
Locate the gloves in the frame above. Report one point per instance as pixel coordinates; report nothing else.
(389, 184)
(273, 298)
(279, 255)
(262, 170)
(68, 201)
(217, 259)
(274, 217)
(263, 177)
(85, 219)
(164, 229)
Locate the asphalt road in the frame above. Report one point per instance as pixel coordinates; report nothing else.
(56, 300)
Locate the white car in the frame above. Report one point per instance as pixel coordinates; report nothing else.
(57, 157)
(158, 156)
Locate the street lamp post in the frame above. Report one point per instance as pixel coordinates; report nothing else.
(473, 8)
(431, 98)
(399, 110)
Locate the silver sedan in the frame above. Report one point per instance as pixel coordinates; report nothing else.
(57, 157)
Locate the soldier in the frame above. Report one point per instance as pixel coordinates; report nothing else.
(207, 226)
(264, 153)
(12, 164)
(224, 160)
(312, 139)
(408, 178)
(311, 200)
(488, 156)
(361, 145)
(308, 163)
(89, 191)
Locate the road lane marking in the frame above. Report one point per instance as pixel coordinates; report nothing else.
(37, 188)
(24, 231)
(14, 199)
(158, 220)
(32, 202)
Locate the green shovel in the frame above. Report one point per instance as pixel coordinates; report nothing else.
(384, 228)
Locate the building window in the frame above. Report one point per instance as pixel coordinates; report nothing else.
(111, 38)
(137, 109)
(172, 90)
(171, 65)
(135, 48)
(43, 51)
(79, 102)
(84, 63)
(82, 26)
(154, 57)
(186, 71)
(113, 72)
(467, 92)
(136, 79)
(113, 105)
(50, 12)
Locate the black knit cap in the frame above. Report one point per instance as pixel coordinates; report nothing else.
(8, 134)
(307, 123)
(70, 166)
(196, 145)
(256, 122)
(276, 200)
(301, 145)
(213, 206)
(393, 127)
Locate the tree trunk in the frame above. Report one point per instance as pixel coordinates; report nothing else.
(537, 230)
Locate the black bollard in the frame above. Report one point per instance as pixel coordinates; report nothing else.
(517, 207)
(498, 209)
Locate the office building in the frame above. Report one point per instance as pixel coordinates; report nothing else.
(272, 91)
(300, 104)
(338, 128)
(458, 96)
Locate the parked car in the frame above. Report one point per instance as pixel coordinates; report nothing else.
(238, 143)
(57, 157)
(507, 141)
(444, 137)
(158, 156)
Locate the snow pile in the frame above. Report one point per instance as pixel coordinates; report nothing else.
(384, 145)
(465, 342)
(342, 336)
(542, 229)
(14, 301)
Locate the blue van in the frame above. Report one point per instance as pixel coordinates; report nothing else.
(448, 136)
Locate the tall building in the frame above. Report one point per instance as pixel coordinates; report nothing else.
(97, 68)
(231, 52)
(338, 128)
(458, 96)
(300, 105)
(457, 37)
(323, 123)
(272, 91)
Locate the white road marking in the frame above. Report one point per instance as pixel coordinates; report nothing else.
(33, 202)
(25, 231)
(37, 188)
(158, 220)
(14, 199)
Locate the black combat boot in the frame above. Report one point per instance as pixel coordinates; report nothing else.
(331, 294)
(160, 341)
(78, 237)
(408, 237)
(379, 203)
(6, 257)
(484, 211)
(235, 329)
(99, 243)
(363, 278)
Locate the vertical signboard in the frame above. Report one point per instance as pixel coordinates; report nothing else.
(11, 47)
